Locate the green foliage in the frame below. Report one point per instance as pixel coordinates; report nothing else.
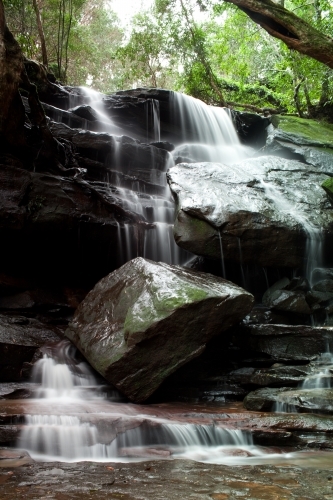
(207, 48)
(80, 37)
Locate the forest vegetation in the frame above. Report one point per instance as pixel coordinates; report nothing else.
(248, 54)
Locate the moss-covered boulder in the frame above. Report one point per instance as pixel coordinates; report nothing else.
(146, 319)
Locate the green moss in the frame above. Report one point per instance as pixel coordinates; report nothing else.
(327, 185)
(309, 129)
(143, 314)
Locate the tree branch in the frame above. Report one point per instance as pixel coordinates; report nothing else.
(296, 33)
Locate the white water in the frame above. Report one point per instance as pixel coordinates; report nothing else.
(321, 378)
(207, 134)
(314, 235)
(76, 423)
(105, 430)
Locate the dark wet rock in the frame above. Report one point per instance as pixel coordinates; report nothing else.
(263, 399)
(315, 297)
(232, 206)
(284, 343)
(324, 286)
(288, 301)
(49, 90)
(163, 145)
(155, 318)
(295, 400)
(20, 338)
(282, 284)
(298, 284)
(57, 221)
(251, 127)
(262, 314)
(274, 376)
(280, 375)
(43, 300)
(85, 111)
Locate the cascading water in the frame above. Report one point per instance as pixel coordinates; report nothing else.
(85, 434)
(320, 378)
(314, 235)
(207, 134)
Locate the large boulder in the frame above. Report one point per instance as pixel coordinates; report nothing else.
(146, 319)
(261, 210)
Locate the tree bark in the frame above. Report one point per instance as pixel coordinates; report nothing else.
(292, 30)
(40, 32)
(202, 57)
(12, 113)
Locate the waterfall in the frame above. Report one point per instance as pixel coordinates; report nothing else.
(106, 431)
(314, 235)
(207, 133)
(321, 378)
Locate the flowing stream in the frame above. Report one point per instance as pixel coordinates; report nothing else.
(83, 435)
(74, 418)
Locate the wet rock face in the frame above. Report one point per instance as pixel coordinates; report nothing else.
(295, 400)
(298, 300)
(284, 343)
(248, 209)
(56, 220)
(145, 320)
(19, 340)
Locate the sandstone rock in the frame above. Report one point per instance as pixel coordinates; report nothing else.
(145, 320)
(57, 220)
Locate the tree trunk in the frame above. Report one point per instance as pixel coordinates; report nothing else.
(202, 57)
(40, 32)
(12, 113)
(292, 30)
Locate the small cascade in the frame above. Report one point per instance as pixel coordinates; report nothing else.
(321, 378)
(314, 236)
(153, 120)
(62, 376)
(68, 429)
(95, 101)
(206, 132)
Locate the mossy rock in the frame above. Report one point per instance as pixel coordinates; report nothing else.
(311, 130)
(327, 185)
(146, 319)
